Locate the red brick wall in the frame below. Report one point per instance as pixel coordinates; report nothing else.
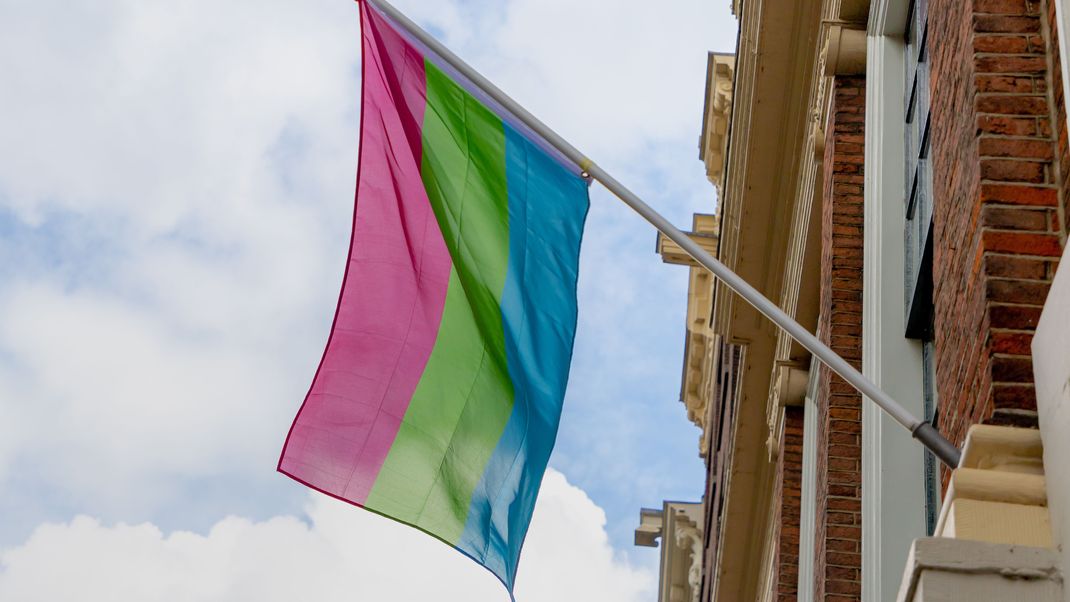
(838, 536)
(788, 506)
(997, 219)
(1062, 156)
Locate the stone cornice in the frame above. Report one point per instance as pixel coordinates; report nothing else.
(770, 130)
(678, 526)
(696, 388)
(717, 116)
(704, 231)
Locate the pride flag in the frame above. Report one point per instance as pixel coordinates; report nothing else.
(438, 397)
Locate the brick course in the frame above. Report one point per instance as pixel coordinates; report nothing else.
(998, 216)
(788, 506)
(1062, 149)
(838, 533)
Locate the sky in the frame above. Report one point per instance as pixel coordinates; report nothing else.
(176, 189)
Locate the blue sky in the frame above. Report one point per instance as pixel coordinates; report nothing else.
(175, 192)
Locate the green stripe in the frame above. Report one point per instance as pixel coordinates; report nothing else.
(465, 396)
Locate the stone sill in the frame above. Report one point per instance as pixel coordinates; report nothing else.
(951, 570)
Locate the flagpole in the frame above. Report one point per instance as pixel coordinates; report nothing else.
(919, 429)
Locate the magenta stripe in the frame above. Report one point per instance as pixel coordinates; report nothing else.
(393, 293)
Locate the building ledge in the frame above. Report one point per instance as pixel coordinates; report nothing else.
(704, 232)
(1051, 366)
(942, 569)
(696, 388)
(999, 493)
(678, 528)
(1004, 449)
(717, 116)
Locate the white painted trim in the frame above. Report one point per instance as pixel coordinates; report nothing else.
(887, 18)
(893, 477)
(1051, 368)
(808, 510)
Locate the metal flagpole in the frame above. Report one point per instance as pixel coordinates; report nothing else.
(921, 430)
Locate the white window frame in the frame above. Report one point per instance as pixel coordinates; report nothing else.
(808, 510)
(893, 475)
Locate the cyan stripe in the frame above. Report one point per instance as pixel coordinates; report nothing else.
(547, 210)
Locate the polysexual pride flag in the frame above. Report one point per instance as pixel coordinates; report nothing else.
(438, 397)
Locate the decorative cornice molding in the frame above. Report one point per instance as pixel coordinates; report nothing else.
(689, 537)
(705, 230)
(696, 390)
(720, 81)
(799, 292)
(679, 527)
(768, 136)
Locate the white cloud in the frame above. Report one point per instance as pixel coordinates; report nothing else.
(183, 175)
(157, 110)
(115, 387)
(344, 555)
(10, 436)
(205, 153)
(611, 75)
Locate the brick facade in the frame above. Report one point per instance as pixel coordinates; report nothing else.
(788, 501)
(1059, 104)
(998, 223)
(838, 534)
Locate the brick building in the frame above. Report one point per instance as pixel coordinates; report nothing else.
(894, 173)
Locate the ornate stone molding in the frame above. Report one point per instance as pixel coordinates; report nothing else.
(720, 74)
(689, 537)
(704, 231)
(696, 390)
(678, 526)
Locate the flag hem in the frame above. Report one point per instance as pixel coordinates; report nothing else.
(345, 274)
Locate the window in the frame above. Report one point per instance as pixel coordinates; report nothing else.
(919, 227)
(919, 177)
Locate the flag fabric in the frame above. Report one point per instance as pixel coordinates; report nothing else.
(438, 397)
